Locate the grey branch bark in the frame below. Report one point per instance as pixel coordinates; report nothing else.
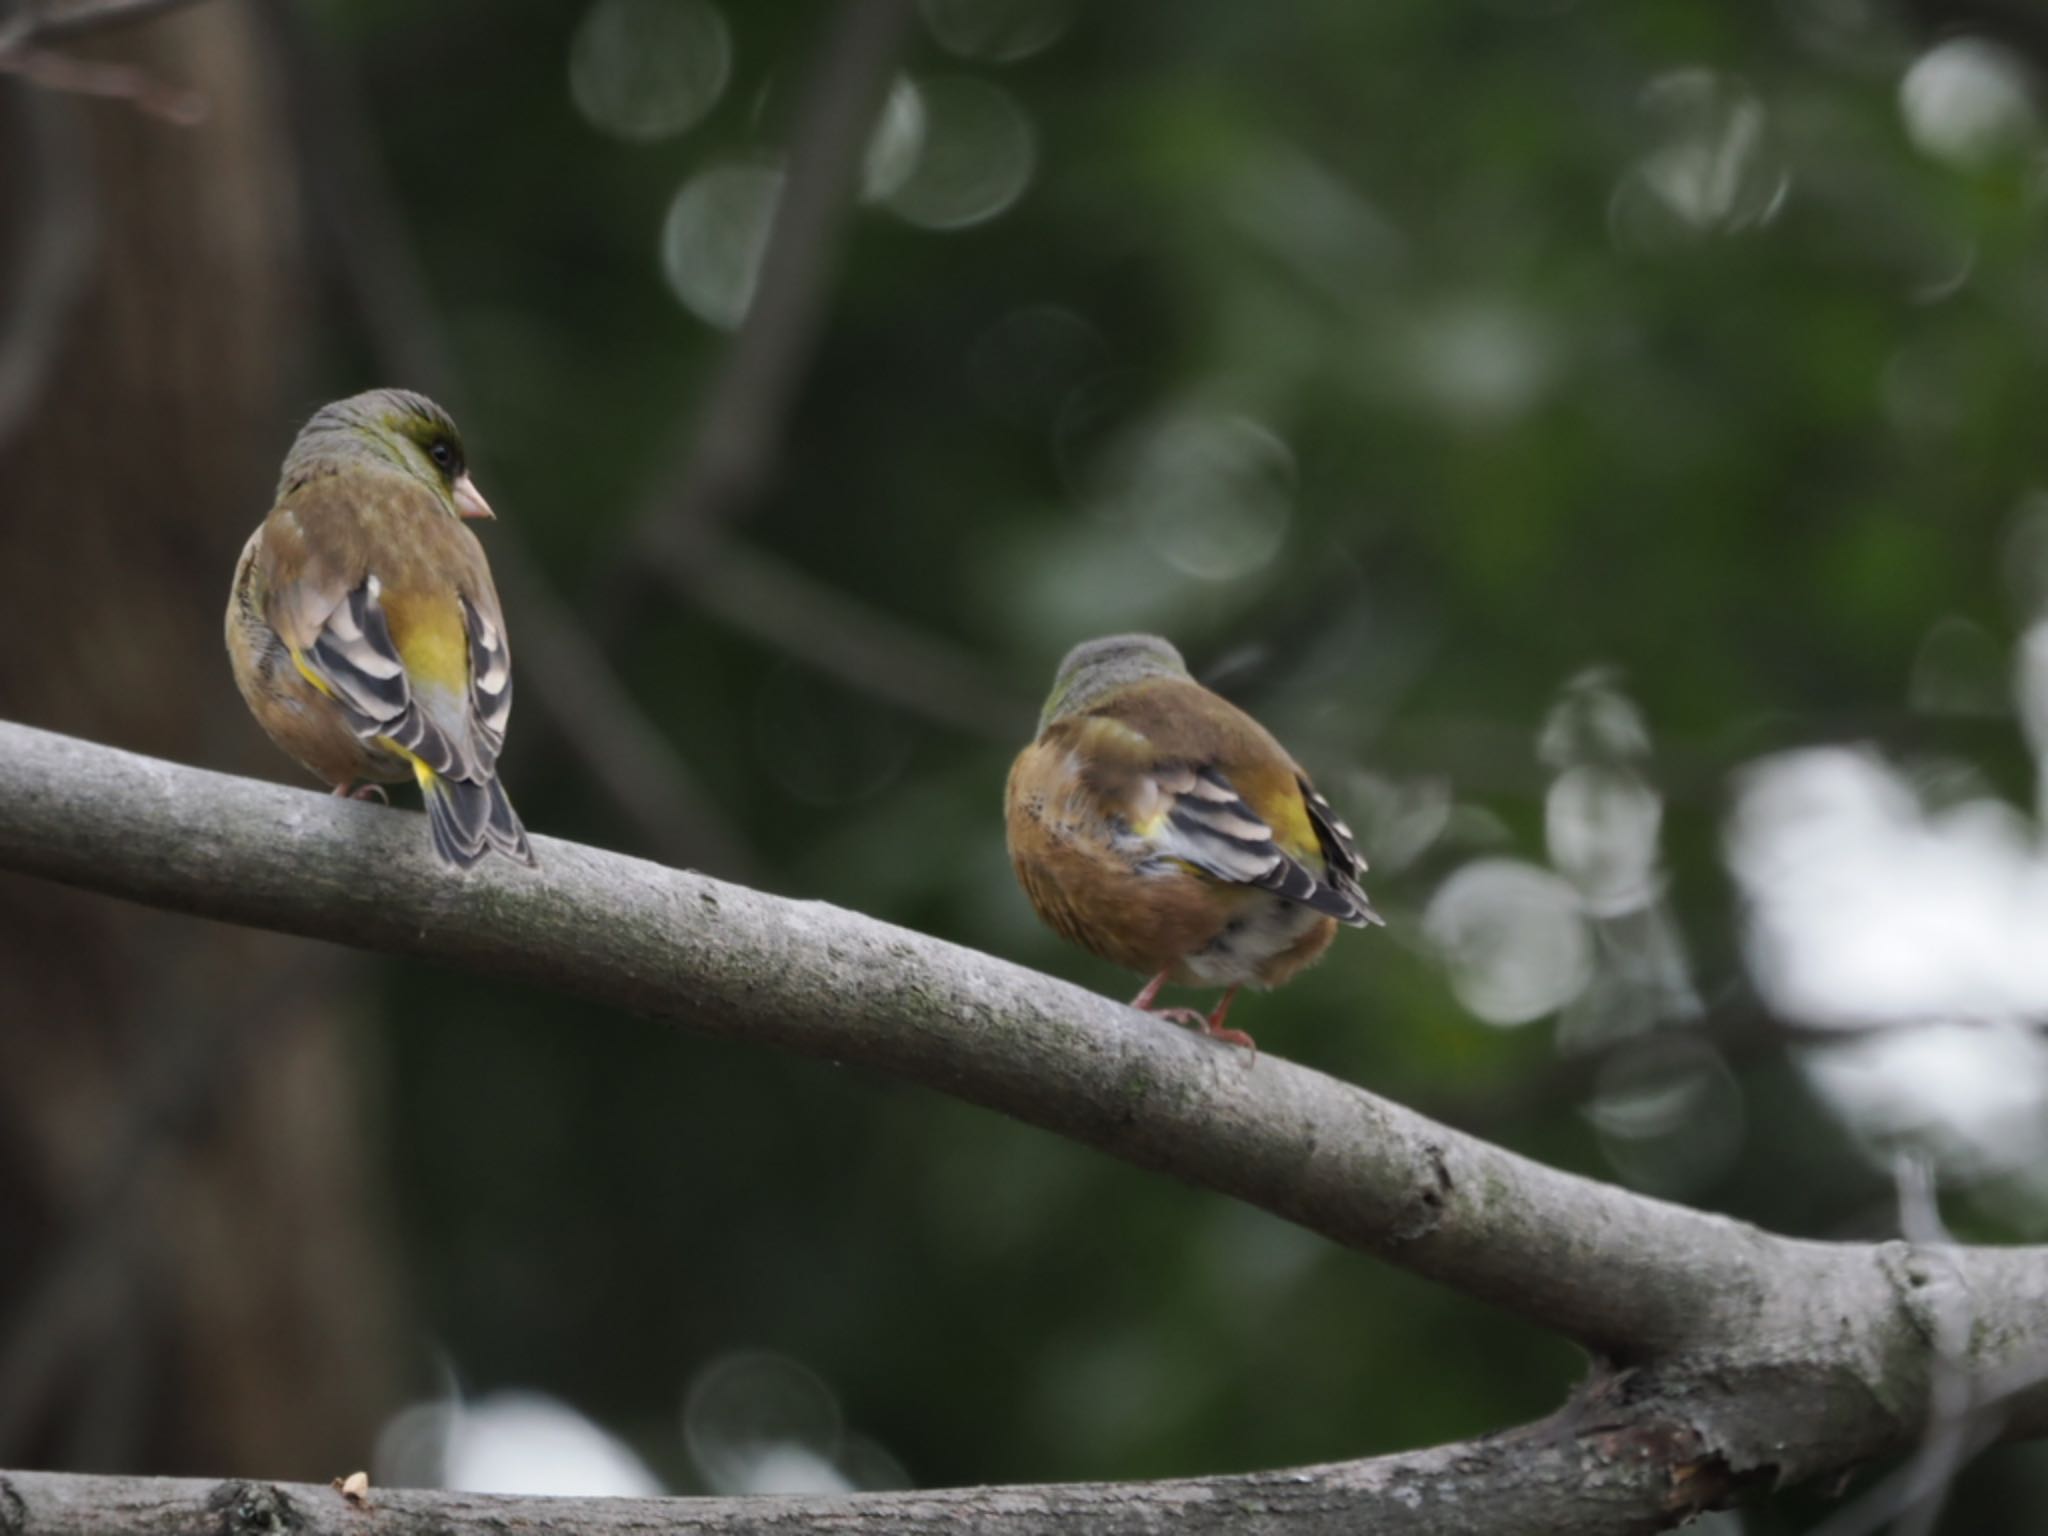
(1547, 1480)
(1729, 1355)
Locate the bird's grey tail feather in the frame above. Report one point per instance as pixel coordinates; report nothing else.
(471, 819)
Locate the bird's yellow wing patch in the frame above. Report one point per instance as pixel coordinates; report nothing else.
(1273, 792)
(428, 632)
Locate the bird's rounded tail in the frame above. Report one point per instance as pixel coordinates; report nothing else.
(471, 819)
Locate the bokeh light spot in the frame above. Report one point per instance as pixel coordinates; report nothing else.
(512, 1442)
(1971, 1096)
(978, 155)
(1968, 100)
(1483, 360)
(1513, 938)
(1399, 821)
(2030, 695)
(1669, 1114)
(997, 31)
(649, 69)
(1076, 576)
(1712, 170)
(2024, 567)
(1959, 669)
(1861, 35)
(895, 143)
(1592, 721)
(1602, 823)
(1868, 908)
(715, 236)
(1212, 494)
(757, 1422)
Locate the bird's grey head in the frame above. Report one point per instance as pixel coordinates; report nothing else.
(1096, 668)
(396, 428)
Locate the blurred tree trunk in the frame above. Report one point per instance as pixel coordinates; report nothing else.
(193, 1269)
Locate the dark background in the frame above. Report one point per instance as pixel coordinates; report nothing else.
(1544, 415)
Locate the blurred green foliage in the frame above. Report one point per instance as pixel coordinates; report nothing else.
(1566, 334)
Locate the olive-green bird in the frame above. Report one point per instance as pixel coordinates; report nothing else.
(363, 626)
(1161, 827)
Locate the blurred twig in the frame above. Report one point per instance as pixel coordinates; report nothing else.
(727, 457)
(843, 638)
(681, 535)
(109, 81)
(187, 1066)
(773, 602)
(39, 21)
(56, 232)
(25, 55)
(1489, 757)
(1740, 1029)
(576, 690)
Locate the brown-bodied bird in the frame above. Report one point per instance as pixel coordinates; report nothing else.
(363, 626)
(1161, 827)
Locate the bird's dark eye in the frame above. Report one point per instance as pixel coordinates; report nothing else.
(442, 452)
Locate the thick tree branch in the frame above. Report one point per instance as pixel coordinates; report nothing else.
(1775, 1357)
(1551, 1479)
(1624, 1274)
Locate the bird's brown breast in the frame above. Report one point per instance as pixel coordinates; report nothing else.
(1063, 845)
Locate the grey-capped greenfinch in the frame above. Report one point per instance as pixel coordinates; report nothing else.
(1159, 826)
(363, 626)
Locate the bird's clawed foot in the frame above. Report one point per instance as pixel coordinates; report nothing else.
(1211, 1024)
(1217, 1030)
(374, 792)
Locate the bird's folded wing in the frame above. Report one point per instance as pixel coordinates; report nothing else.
(1342, 862)
(490, 677)
(1205, 822)
(353, 660)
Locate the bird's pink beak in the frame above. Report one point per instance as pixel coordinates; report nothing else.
(469, 501)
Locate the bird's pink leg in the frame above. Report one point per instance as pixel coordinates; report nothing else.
(1143, 1003)
(362, 792)
(1215, 1026)
(1194, 1018)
